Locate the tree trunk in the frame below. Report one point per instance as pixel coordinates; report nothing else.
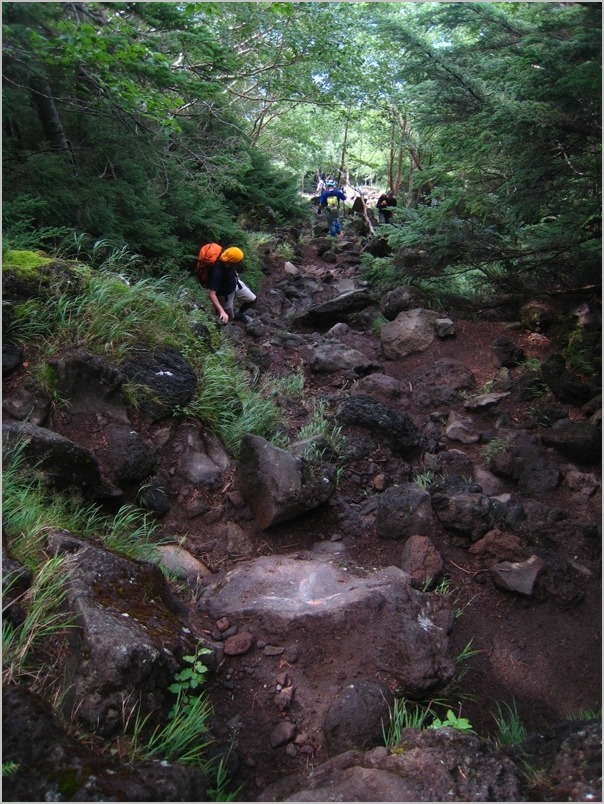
(344, 147)
(50, 120)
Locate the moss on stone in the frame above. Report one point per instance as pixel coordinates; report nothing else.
(24, 263)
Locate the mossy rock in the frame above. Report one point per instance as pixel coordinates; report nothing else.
(34, 274)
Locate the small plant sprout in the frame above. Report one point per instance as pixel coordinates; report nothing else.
(190, 678)
(452, 721)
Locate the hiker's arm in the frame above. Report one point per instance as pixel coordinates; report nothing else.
(224, 316)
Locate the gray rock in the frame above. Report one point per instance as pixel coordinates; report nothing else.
(440, 382)
(403, 511)
(566, 386)
(335, 310)
(461, 428)
(399, 300)
(12, 357)
(130, 634)
(332, 356)
(506, 353)
(533, 470)
(283, 733)
(382, 384)
(179, 561)
(283, 595)
(355, 718)
(29, 401)
(411, 331)
(581, 443)
(485, 401)
(64, 464)
(277, 485)
(470, 513)
(518, 577)
(89, 381)
(445, 328)
(435, 765)
(203, 458)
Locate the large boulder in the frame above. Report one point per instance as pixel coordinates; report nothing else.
(12, 357)
(430, 765)
(278, 485)
(87, 380)
(131, 635)
(30, 401)
(333, 356)
(464, 510)
(373, 621)
(440, 382)
(65, 465)
(576, 441)
(398, 300)
(53, 765)
(165, 379)
(411, 331)
(128, 457)
(356, 717)
(566, 386)
(335, 310)
(395, 429)
(202, 458)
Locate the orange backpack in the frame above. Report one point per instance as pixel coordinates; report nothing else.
(208, 255)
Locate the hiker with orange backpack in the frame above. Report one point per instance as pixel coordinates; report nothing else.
(217, 272)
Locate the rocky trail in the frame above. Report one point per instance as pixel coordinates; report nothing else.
(541, 651)
(479, 585)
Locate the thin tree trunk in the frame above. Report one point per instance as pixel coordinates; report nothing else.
(399, 170)
(344, 147)
(50, 120)
(391, 157)
(410, 186)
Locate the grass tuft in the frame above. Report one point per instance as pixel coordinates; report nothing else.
(510, 730)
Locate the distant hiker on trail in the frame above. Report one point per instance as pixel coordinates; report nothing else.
(217, 271)
(329, 200)
(384, 204)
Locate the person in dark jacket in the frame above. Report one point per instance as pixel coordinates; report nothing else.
(384, 206)
(333, 212)
(225, 286)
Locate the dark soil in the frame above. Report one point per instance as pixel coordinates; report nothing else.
(543, 654)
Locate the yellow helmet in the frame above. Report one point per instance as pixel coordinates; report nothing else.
(232, 254)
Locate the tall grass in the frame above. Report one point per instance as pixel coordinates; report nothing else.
(321, 425)
(44, 617)
(510, 730)
(228, 404)
(30, 510)
(183, 738)
(404, 715)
